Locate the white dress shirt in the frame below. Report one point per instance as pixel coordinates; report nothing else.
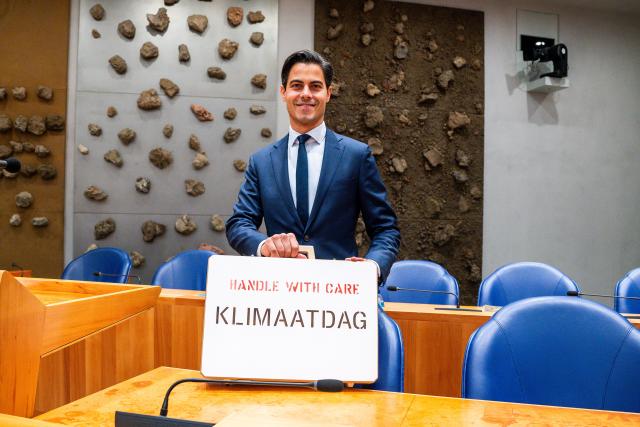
(315, 153)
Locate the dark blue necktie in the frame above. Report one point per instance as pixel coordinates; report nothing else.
(302, 180)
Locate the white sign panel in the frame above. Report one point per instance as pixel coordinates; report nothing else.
(290, 319)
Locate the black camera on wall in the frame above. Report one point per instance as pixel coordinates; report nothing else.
(544, 50)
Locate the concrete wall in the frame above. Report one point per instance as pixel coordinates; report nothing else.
(560, 170)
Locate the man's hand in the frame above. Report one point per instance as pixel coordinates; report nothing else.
(282, 245)
(355, 259)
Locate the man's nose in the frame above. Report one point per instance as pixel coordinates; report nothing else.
(306, 91)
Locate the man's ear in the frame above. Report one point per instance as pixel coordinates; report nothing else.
(282, 92)
(329, 94)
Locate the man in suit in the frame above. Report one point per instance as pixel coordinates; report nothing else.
(311, 186)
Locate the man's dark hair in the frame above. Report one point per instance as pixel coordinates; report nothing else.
(307, 57)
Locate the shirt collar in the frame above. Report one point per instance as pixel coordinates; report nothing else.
(318, 134)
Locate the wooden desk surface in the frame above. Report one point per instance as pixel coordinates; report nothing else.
(144, 394)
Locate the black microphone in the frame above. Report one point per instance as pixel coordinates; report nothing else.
(11, 165)
(329, 385)
(101, 274)
(393, 288)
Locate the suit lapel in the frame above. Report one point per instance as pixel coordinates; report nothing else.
(279, 162)
(333, 151)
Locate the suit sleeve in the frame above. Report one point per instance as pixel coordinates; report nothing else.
(242, 226)
(380, 220)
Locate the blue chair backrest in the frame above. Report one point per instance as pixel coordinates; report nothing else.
(112, 261)
(628, 286)
(187, 270)
(420, 275)
(520, 280)
(390, 356)
(560, 351)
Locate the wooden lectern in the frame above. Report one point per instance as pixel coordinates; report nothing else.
(41, 316)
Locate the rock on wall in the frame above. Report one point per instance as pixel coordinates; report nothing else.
(409, 81)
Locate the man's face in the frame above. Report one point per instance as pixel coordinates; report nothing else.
(306, 96)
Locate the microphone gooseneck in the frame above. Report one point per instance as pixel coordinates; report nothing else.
(394, 288)
(101, 274)
(577, 294)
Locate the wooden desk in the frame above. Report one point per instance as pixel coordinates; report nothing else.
(201, 402)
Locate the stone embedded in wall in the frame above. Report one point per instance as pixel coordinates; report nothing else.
(95, 34)
(366, 39)
(3, 93)
(95, 193)
(442, 234)
(201, 113)
(194, 187)
(463, 204)
(19, 123)
(194, 142)
(185, 225)
(151, 230)
(432, 45)
(19, 93)
(5, 123)
(337, 87)
(230, 113)
(368, 6)
(217, 223)
(376, 146)
(45, 93)
(143, 185)
(433, 158)
(200, 161)
(167, 130)
(401, 50)
(235, 15)
(460, 176)
(47, 171)
(398, 164)
(334, 32)
(28, 147)
(373, 117)
(97, 12)
(197, 23)
(28, 171)
(475, 192)
(127, 136)
(54, 122)
(183, 53)
(104, 229)
(127, 29)
(118, 64)
(257, 109)
(160, 158)
(137, 259)
(5, 151)
(149, 50)
(255, 17)
(257, 38)
(42, 151)
(372, 90)
(457, 120)
(149, 100)
(170, 88)
(463, 159)
(113, 156)
(399, 28)
(459, 62)
(9, 175)
(333, 13)
(40, 221)
(227, 48)
(36, 125)
(83, 149)
(159, 21)
(94, 129)
(476, 64)
(111, 111)
(15, 220)
(259, 81)
(16, 147)
(24, 199)
(403, 118)
(232, 135)
(216, 73)
(395, 81)
(265, 132)
(240, 165)
(444, 79)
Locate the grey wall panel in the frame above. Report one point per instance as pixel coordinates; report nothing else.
(95, 74)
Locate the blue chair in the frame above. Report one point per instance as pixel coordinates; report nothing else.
(112, 262)
(187, 270)
(628, 286)
(390, 356)
(520, 280)
(559, 351)
(420, 275)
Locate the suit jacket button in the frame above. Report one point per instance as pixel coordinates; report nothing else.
(307, 238)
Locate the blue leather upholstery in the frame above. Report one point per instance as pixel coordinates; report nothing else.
(104, 260)
(560, 351)
(420, 275)
(390, 356)
(187, 270)
(520, 280)
(628, 286)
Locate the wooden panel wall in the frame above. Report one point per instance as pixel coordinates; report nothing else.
(34, 51)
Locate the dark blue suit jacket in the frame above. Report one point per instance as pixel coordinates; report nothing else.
(349, 184)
